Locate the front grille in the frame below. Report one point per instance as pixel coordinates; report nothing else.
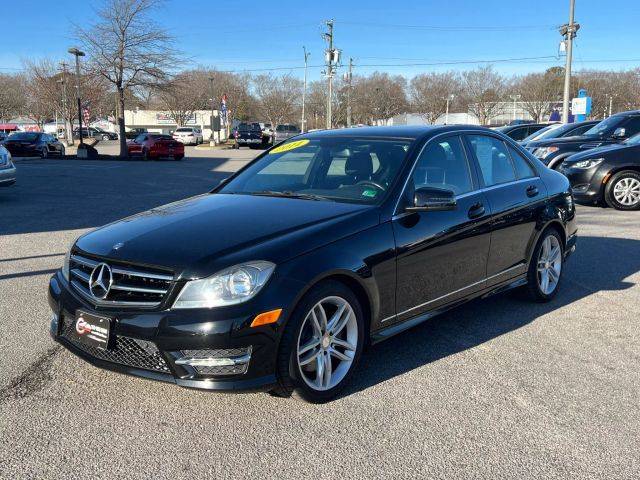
(127, 351)
(132, 286)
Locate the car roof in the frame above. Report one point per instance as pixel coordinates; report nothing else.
(399, 131)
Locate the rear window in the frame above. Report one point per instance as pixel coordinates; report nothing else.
(28, 136)
(183, 129)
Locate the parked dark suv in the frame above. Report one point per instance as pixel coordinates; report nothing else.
(615, 129)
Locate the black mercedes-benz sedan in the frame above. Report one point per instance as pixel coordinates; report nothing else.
(278, 278)
(610, 174)
(26, 144)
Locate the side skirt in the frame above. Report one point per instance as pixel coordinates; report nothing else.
(390, 331)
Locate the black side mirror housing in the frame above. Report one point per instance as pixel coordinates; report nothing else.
(432, 199)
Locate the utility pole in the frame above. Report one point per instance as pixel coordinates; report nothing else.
(78, 54)
(68, 129)
(348, 77)
(332, 56)
(569, 32)
(610, 104)
(304, 88)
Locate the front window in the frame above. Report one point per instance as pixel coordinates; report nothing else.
(605, 128)
(343, 169)
(635, 140)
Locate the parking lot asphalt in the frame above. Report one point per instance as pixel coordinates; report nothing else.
(499, 388)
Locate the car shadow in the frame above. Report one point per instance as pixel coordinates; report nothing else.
(71, 194)
(599, 264)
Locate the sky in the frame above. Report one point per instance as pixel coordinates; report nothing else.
(402, 37)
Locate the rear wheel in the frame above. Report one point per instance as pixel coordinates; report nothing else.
(178, 157)
(623, 191)
(145, 154)
(105, 137)
(545, 268)
(321, 345)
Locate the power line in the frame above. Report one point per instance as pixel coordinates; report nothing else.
(453, 28)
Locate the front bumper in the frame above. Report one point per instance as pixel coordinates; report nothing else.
(586, 184)
(154, 344)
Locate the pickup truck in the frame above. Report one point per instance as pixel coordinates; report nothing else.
(134, 132)
(248, 134)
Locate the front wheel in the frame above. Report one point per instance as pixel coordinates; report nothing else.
(623, 191)
(105, 137)
(321, 345)
(545, 268)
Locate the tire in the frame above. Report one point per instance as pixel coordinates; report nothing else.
(44, 153)
(145, 155)
(303, 381)
(105, 137)
(178, 157)
(62, 152)
(623, 191)
(537, 289)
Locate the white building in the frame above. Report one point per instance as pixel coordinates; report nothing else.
(161, 121)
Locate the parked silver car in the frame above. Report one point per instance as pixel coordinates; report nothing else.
(284, 131)
(7, 169)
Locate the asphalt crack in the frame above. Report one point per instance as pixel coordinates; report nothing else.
(33, 379)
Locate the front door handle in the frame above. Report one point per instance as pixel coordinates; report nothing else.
(532, 191)
(476, 210)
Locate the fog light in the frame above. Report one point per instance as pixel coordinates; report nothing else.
(230, 361)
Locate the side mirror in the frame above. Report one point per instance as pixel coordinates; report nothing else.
(619, 133)
(431, 198)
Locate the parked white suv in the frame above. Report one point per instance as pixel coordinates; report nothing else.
(188, 135)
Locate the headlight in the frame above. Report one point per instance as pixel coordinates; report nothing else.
(544, 152)
(231, 286)
(585, 164)
(65, 265)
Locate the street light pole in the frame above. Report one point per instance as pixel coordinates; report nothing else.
(569, 32)
(515, 98)
(212, 109)
(77, 53)
(304, 88)
(448, 99)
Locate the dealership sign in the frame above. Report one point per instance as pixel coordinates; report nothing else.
(164, 118)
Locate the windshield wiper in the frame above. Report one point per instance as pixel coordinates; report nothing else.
(288, 194)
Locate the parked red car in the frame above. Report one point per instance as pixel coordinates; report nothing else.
(155, 145)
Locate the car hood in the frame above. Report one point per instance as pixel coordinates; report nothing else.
(570, 141)
(199, 236)
(600, 152)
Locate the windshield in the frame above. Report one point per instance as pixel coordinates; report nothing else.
(539, 134)
(183, 129)
(605, 128)
(346, 169)
(24, 136)
(161, 137)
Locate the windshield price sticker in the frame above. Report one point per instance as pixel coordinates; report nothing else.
(289, 146)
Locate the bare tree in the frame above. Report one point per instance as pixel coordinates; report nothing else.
(378, 96)
(12, 96)
(278, 97)
(47, 96)
(429, 92)
(128, 49)
(181, 98)
(539, 90)
(483, 89)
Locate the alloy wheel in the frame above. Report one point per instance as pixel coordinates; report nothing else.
(327, 343)
(627, 191)
(549, 264)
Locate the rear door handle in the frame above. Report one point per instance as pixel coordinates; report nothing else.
(476, 210)
(532, 191)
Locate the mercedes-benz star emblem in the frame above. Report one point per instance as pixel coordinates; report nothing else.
(100, 281)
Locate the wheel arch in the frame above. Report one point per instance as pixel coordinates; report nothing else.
(352, 281)
(556, 161)
(553, 223)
